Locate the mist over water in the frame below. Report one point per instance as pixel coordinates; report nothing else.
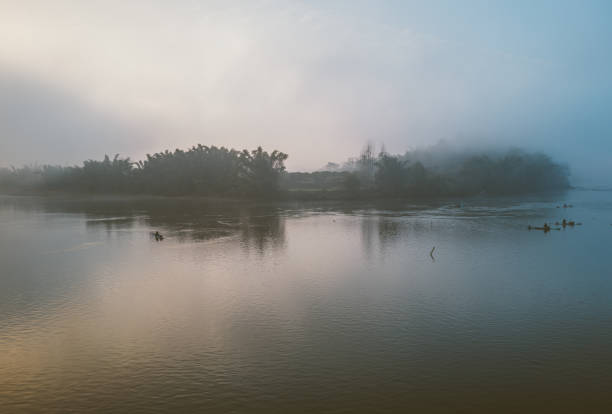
(302, 307)
(288, 206)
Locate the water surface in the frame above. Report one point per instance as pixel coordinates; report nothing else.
(333, 307)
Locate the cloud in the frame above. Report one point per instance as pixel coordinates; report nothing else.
(40, 123)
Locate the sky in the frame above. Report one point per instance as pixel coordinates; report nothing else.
(315, 79)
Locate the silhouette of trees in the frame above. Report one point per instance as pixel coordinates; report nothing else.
(366, 166)
(203, 170)
(391, 175)
(514, 172)
(200, 170)
(328, 180)
(104, 176)
(352, 183)
(260, 172)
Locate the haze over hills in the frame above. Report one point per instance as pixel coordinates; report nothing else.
(315, 79)
(219, 171)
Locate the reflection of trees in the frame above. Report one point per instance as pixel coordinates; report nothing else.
(368, 234)
(390, 230)
(257, 227)
(262, 228)
(383, 231)
(111, 223)
(191, 221)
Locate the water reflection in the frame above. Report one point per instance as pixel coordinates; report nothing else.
(257, 226)
(262, 228)
(298, 307)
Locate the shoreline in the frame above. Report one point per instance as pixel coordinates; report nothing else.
(282, 196)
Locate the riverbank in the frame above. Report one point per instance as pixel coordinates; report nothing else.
(281, 196)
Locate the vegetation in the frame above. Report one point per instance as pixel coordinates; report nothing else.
(213, 171)
(201, 170)
(427, 174)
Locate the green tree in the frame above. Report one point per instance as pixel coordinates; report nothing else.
(390, 175)
(260, 171)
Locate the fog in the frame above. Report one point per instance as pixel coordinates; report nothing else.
(315, 80)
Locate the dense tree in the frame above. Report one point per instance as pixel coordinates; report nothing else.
(391, 174)
(199, 170)
(424, 174)
(366, 166)
(260, 171)
(203, 170)
(352, 183)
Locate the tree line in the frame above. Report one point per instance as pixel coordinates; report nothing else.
(200, 170)
(436, 173)
(219, 171)
(514, 172)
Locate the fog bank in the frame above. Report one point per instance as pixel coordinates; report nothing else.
(314, 79)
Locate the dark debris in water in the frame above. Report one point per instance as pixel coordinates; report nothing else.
(547, 227)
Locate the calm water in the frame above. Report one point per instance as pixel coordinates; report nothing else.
(305, 308)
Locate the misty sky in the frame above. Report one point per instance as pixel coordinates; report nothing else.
(315, 79)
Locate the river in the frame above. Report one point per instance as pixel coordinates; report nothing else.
(305, 307)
